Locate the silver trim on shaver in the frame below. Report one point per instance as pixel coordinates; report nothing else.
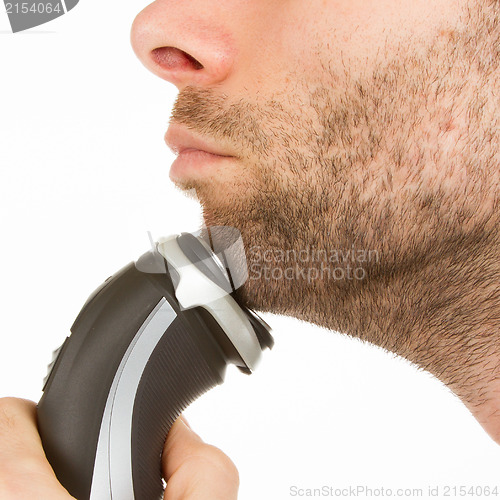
(112, 477)
(214, 299)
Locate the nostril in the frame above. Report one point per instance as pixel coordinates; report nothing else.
(170, 58)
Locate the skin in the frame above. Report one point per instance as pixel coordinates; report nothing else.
(353, 125)
(193, 469)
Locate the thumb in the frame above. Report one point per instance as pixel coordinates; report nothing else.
(195, 470)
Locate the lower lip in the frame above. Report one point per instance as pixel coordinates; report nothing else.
(193, 163)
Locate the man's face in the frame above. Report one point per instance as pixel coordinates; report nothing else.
(352, 125)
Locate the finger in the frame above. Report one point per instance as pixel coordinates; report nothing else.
(195, 470)
(24, 469)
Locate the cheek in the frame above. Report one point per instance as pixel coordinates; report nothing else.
(350, 37)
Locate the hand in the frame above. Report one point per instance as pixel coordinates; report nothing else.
(193, 470)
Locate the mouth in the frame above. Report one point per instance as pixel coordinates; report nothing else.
(196, 157)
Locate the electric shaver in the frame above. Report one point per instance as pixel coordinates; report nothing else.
(150, 340)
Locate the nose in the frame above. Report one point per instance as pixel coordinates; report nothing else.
(187, 43)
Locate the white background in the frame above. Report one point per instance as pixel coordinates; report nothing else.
(84, 176)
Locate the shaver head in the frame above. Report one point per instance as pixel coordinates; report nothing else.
(204, 276)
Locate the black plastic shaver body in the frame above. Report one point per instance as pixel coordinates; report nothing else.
(138, 354)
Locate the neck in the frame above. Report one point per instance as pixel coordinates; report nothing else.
(447, 321)
(486, 407)
(441, 312)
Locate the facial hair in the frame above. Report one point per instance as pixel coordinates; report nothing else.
(393, 175)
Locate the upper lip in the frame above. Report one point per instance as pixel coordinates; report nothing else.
(179, 139)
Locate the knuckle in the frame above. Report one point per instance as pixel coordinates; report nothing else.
(206, 467)
(8, 415)
(14, 417)
(8, 405)
(10, 409)
(222, 462)
(10, 402)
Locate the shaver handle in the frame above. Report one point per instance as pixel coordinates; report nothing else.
(176, 374)
(118, 384)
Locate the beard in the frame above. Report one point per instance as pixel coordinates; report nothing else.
(369, 205)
